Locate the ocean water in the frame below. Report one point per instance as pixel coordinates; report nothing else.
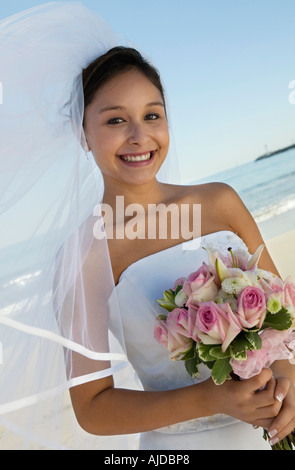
(267, 187)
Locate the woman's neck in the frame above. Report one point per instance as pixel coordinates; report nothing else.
(152, 192)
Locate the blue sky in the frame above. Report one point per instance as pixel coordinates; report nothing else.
(226, 66)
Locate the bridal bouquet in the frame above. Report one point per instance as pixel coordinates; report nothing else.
(231, 316)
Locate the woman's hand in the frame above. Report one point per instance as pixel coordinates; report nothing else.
(284, 422)
(252, 401)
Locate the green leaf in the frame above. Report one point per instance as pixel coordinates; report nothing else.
(239, 347)
(254, 339)
(221, 371)
(162, 317)
(178, 288)
(204, 352)
(278, 321)
(218, 353)
(165, 305)
(169, 295)
(241, 356)
(210, 364)
(250, 330)
(192, 366)
(190, 354)
(167, 301)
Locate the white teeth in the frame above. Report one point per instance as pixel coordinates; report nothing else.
(138, 158)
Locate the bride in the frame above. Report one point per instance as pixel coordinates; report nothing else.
(101, 310)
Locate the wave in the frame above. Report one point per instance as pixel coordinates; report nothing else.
(283, 182)
(274, 210)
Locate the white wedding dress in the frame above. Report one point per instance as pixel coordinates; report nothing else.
(139, 286)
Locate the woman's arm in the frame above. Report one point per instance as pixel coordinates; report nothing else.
(102, 409)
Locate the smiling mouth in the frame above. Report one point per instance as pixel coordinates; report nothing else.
(143, 157)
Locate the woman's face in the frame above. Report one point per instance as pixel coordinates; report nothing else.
(126, 128)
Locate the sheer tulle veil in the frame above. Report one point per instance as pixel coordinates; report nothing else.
(57, 328)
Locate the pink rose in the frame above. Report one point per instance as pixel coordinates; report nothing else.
(200, 285)
(256, 361)
(251, 307)
(177, 321)
(214, 324)
(161, 333)
(174, 342)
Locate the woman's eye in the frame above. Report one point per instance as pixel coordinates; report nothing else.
(115, 120)
(148, 117)
(152, 117)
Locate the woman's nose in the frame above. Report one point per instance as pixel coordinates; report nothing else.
(138, 135)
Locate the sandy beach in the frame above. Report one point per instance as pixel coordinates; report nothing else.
(282, 251)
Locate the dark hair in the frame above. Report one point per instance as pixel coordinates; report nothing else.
(113, 63)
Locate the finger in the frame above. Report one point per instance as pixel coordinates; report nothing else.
(266, 397)
(262, 423)
(284, 423)
(260, 381)
(281, 389)
(275, 436)
(269, 412)
(270, 387)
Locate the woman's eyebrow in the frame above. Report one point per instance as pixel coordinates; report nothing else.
(155, 103)
(111, 108)
(120, 108)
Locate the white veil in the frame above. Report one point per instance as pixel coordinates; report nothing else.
(57, 329)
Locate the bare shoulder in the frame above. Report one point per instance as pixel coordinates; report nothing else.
(219, 201)
(222, 195)
(222, 208)
(215, 191)
(222, 202)
(211, 190)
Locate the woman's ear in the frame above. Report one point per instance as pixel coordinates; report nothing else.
(85, 144)
(89, 148)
